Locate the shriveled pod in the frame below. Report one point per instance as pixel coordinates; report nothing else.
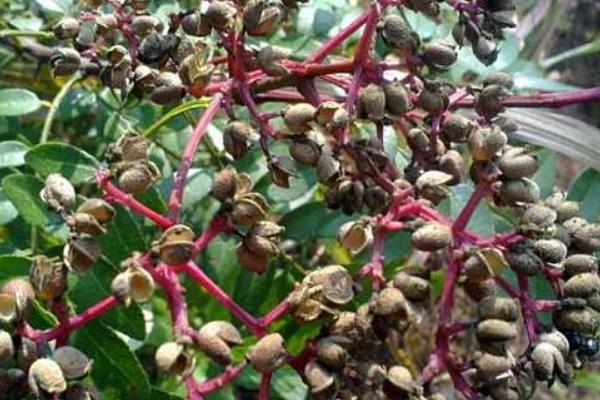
(496, 330)
(133, 284)
(81, 254)
(248, 210)
(414, 288)
(267, 354)
(456, 128)
(129, 147)
(397, 98)
(485, 142)
(262, 17)
(547, 361)
(236, 136)
(492, 369)
(270, 59)
(524, 261)
(253, 262)
(582, 285)
(281, 168)
(58, 193)
(176, 245)
(336, 285)
(196, 24)
(519, 191)
(298, 117)
(214, 347)
(319, 379)
(224, 330)
(328, 168)
(73, 362)
(395, 33)
(305, 151)
(489, 101)
(517, 163)
(356, 236)
(46, 378)
(23, 293)
(261, 246)
(399, 382)
(48, 278)
(371, 102)
(556, 339)
(331, 353)
(502, 308)
(175, 359)
(224, 185)
(432, 236)
(7, 348)
(138, 177)
(85, 223)
(432, 185)
(390, 302)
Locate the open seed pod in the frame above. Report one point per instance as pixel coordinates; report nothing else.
(223, 330)
(355, 236)
(133, 284)
(214, 347)
(48, 278)
(7, 348)
(46, 378)
(267, 354)
(248, 209)
(100, 209)
(176, 245)
(23, 293)
(399, 382)
(81, 254)
(175, 359)
(138, 177)
(319, 379)
(85, 223)
(73, 363)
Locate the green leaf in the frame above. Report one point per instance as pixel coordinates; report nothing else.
(12, 153)
(8, 212)
(158, 394)
(311, 220)
(15, 102)
(122, 238)
(115, 365)
(13, 266)
(588, 379)
(288, 385)
(73, 163)
(24, 193)
(586, 190)
(545, 176)
(198, 186)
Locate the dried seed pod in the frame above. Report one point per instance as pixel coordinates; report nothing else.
(489, 101)
(213, 347)
(371, 102)
(81, 392)
(547, 361)
(585, 320)
(46, 378)
(556, 339)
(480, 290)
(550, 250)
(138, 177)
(587, 238)
(221, 15)
(319, 379)
(452, 164)
(253, 262)
(434, 97)
(486, 50)
(418, 140)
(49, 279)
(395, 33)
(390, 302)
(518, 191)
(356, 236)
(65, 61)
(266, 229)
(496, 330)
(100, 209)
(399, 382)
(567, 210)
(582, 285)
(305, 151)
(331, 353)
(432, 185)
(73, 363)
(262, 17)
(7, 348)
(517, 162)
(58, 193)
(538, 218)
(22, 292)
(281, 168)
(327, 168)
(524, 261)
(196, 24)
(236, 136)
(499, 78)
(397, 98)
(8, 308)
(176, 245)
(431, 237)
(249, 210)
(492, 369)
(81, 254)
(267, 354)
(579, 264)
(129, 147)
(457, 128)
(485, 142)
(174, 359)
(376, 199)
(414, 288)
(269, 59)
(224, 184)
(440, 54)
(298, 117)
(133, 284)
(261, 246)
(223, 330)
(66, 28)
(85, 223)
(336, 285)
(502, 308)
(144, 25)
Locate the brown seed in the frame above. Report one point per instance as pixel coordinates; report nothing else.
(502, 308)
(519, 191)
(579, 264)
(46, 378)
(224, 184)
(524, 261)
(318, 378)
(479, 290)
(546, 360)
(305, 151)
(582, 285)
(587, 239)
(214, 347)
(176, 246)
(253, 262)
(261, 246)
(248, 210)
(331, 353)
(85, 223)
(223, 330)
(457, 128)
(397, 98)
(432, 185)
(496, 330)
(100, 209)
(267, 354)
(440, 54)
(452, 163)
(414, 288)
(485, 142)
(138, 177)
(196, 24)
(431, 237)
(298, 117)
(397, 34)
(327, 168)
(390, 302)
(517, 163)
(174, 359)
(371, 102)
(221, 15)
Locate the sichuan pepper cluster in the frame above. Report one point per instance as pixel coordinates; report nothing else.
(356, 355)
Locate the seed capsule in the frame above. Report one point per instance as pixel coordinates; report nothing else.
(144, 25)
(66, 28)
(213, 347)
(492, 369)
(395, 33)
(517, 163)
(556, 339)
(327, 168)
(49, 279)
(7, 349)
(414, 288)
(267, 354)
(440, 54)
(81, 254)
(452, 164)
(73, 363)
(480, 290)
(46, 378)
(224, 185)
(538, 218)
(331, 353)
(196, 24)
(253, 262)
(318, 378)
(431, 185)
(262, 17)
(305, 151)
(176, 245)
(496, 330)
(390, 302)
(269, 59)
(371, 102)
(336, 285)
(550, 250)
(355, 236)
(249, 210)
(399, 382)
(457, 128)
(58, 193)
(138, 177)
(431, 237)
(261, 246)
(281, 168)
(499, 78)
(236, 136)
(223, 330)
(580, 263)
(587, 238)
(498, 308)
(486, 142)
(221, 15)
(298, 117)
(397, 98)
(23, 293)
(174, 359)
(133, 284)
(547, 361)
(519, 191)
(584, 320)
(65, 61)
(434, 97)
(485, 50)
(489, 102)
(582, 285)
(85, 223)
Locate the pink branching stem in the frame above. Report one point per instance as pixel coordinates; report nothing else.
(74, 322)
(175, 200)
(299, 362)
(59, 308)
(467, 212)
(218, 382)
(529, 317)
(116, 195)
(265, 385)
(336, 40)
(435, 132)
(167, 278)
(374, 268)
(277, 312)
(196, 273)
(553, 100)
(219, 224)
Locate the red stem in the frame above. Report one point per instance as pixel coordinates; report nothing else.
(218, 382)
(219, 224)
(116, 195)
(265, 385)
(175, 200)
(554, 100)
(467, 212)
(277, 312)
